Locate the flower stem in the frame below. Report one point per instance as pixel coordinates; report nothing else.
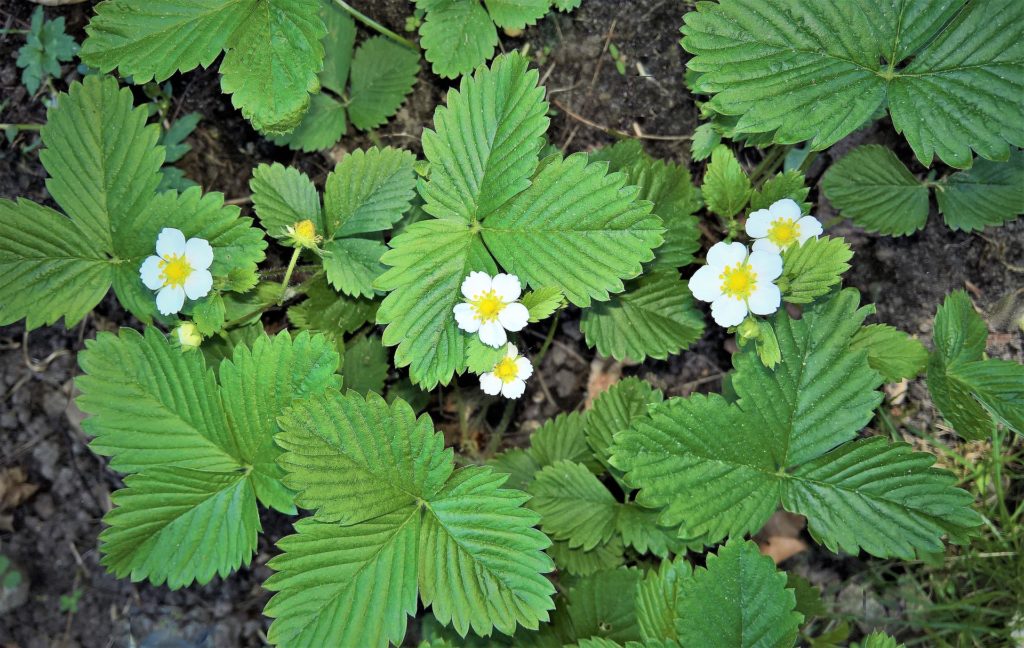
(373, 24)
(33, 127)
(548, 340)
(288, 274)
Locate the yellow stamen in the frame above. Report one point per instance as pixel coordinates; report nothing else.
(783, 232)
(303, 234)
(506, 370)
(738, 281)
(487, 306)
(175, 270)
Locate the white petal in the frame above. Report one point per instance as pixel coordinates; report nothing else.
(726, 254)
(199, 253)
(728, 311)
(475, 284)
(764, 245)
(765, 299)
(490, 384)
(705, 284)
(507, 286)
(465, 317)
(809, 227)
(767, 265)
(513, 389)
(524, 368)
(150, 273)
(514, 317)
(512, 351)
(758, 223)
(493, 334)
(198, 284)
(785, 208)
(170, 242)
(170, 299)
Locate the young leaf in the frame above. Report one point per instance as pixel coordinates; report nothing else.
(456, 36)
(574, 506)
(655, 318)
(870, 186)
(880, 640)
(791, 184)
(726, 187)
(541, 303)
(705, 139)
(383, 74)
(812, 268)
(282, 196)
(989, 193)
(46, 45)
(808, 70)
(891, 352)
(368, 191)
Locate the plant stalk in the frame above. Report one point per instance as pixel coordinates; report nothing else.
(288, 274)
(31, 127)
(376, 26)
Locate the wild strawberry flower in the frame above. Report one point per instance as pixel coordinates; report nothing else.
(491, 307)
(737, 282)
(780, 226)
(180, 269)
(508, 377)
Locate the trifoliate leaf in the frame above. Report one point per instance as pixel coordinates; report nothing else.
(807, 70)
(177, 525)
(987, 194)
(705, 139)
(810, 269)
(541, 303)
(516, 14)
(716, 601)
(366, 365)
(584, 563)
(383, 74)
(603, 605)
(328, 312)
(368, 191)
(457, 36)
(640, 530)
(283, 196)
(574, 505)
(46, 45)
(790, 184)
(354, 458)
(272, 62)
(891, 352)
(726, 187)
(208, 314)
(353, 264)
(321, 127)
(617, 409)
(655, 317)
(870, 186)
(657, 600)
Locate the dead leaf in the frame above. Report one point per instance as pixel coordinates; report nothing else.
(14, 488)
(604, 372)
(780, 539)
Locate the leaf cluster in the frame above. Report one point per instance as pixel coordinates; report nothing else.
(46, 47)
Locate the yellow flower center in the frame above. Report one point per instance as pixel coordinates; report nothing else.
(487, 306)
(303, 233)
(175, 270)
(783, 231)
(738, 281)
(506, 370)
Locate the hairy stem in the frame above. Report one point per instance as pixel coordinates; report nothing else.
(288, 274)
(376, 26)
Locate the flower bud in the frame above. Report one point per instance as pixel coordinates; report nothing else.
(188, 336)
(303, 234)
(749, 329)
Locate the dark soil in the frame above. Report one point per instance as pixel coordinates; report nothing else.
(53, 533)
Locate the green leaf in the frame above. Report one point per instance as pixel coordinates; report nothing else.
(177, 525)
(959, 333)
(516, 14)
(574, 506)
(483, 149)
(880, 640)
(366, 365)
(46, 45)
(717, 600)
(640, 530)
(808, 597)
(655, 318)
(615, 410)
(161, 37)
(705, 139)
(891, 352)
(584, 563)
(989, 193)
(807, 70)
(811, 269)
(603, 605)
(272, 64)
(338, 45)
(173, 139)
(321, 127)
(480, 357)
(383, 74)
(354, 458)
(726, 187)
(542, 302)
(999, 386)
(791, 184)
(657, 599)
(560, 438)
(353, 264)
(328, 312)
(368, 191)
(208, 314)
(282, 196)
(457, 36)
(345, 585)
(870, 186)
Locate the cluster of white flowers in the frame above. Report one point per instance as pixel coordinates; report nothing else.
(737, 281)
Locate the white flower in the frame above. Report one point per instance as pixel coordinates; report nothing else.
(508, 376)
(779, 226)
(188, 336)
(491, 307)
(736, 282)
(180, 269)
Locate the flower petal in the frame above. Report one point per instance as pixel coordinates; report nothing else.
(728, 311)
(513, 389)
(765, 299)
(705, 284)
(199, 253)
(514, 317)
(170, 242)
(524, 368)
(493, 334)
(726, 254)
(476, 284)
(758, 223)
(764, 245)
(466, 318)
(490, 384)
(198, 284)
(511, 351)
(507, 286)
(170, 299)
(767, 265)
(809, 227)
(150, 273)
(785, 208)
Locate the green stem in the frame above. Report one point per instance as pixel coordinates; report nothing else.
(768, 164)
(13, 31)
(288, 274)
(547, 340)
(373, 24)
(32, 127)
